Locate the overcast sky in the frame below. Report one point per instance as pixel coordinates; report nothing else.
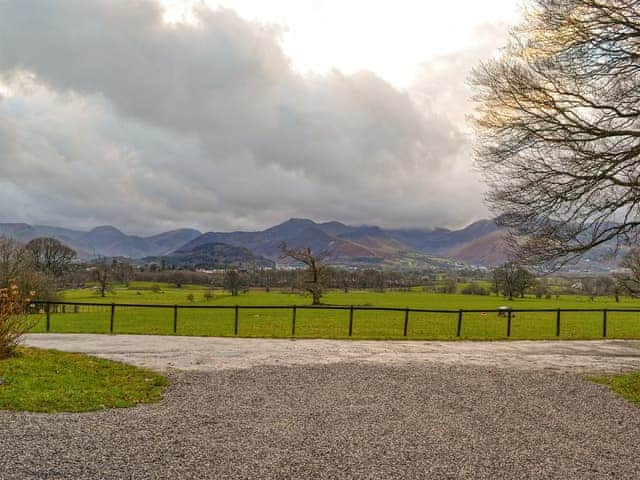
(238, 114)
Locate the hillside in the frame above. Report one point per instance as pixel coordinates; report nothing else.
(356, 245)
(212, 256)
(485, 250)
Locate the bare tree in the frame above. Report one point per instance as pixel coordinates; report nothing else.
(524, 280)
(313, 284)
(541, 287)
(102, 274)
(51, 256)
(17, 268)
(13, 260)
(510, 278)
(123, 272)
(232, 282)
(629, 282)
(558, 128)
(379, 281)
(450, 284)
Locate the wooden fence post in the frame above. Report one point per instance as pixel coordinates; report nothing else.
(293, 322)
(406, 321)
(175, 319)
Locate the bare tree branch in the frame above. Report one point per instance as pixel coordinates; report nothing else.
(314, 284)
(558, 127)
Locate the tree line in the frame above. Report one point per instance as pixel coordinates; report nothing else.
(46, 266)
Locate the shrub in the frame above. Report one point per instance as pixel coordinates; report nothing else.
(155, 288)
(191, 298)
(474, 289)
(14, 322)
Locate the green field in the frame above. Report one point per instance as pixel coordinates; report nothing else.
(318, 323)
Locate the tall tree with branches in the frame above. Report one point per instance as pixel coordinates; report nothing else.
(510, 278)
(51, 256)
(558, 128)
(314, 283)
(629, 282)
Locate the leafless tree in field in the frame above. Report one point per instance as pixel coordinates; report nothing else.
(630, 282)
(313, 284)
(17, 267)
(510, 278)
(558, 126)
(123, 272)
(232, 282)
(50, 256)
(102, 274)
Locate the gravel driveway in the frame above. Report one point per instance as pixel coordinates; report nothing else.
(343, 420)
(211, 353)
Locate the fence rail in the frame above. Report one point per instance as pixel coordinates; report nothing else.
(457, 316)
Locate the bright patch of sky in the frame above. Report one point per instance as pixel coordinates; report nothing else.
(390, 38)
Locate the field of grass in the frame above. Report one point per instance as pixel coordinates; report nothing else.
(318, 323)
(50, 381)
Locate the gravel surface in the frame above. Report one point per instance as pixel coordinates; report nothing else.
(210, 353)
(340, 421)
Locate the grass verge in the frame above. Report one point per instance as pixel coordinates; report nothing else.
(627, 385)
(51, 381)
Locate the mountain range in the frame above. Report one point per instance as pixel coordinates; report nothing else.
(480, 243)
(104, 241)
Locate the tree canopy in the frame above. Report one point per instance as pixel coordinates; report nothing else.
(558, 127)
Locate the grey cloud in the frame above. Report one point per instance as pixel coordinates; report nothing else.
(117, 117)
(441, 85)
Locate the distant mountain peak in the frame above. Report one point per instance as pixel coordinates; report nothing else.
(105, 229)
(297, 222)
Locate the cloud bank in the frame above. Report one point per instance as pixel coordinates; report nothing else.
(110, 115)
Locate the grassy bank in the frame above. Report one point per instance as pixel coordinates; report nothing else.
(627, 385)
(51, 381)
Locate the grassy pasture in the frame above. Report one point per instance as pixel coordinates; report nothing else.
(334, 323)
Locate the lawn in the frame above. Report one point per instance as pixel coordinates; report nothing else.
(318, 323)
(51, 381)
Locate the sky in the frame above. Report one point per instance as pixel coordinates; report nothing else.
(238, 114)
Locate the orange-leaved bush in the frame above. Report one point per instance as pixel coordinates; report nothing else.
(14, 320)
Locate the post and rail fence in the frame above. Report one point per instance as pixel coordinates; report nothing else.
(56, 307)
